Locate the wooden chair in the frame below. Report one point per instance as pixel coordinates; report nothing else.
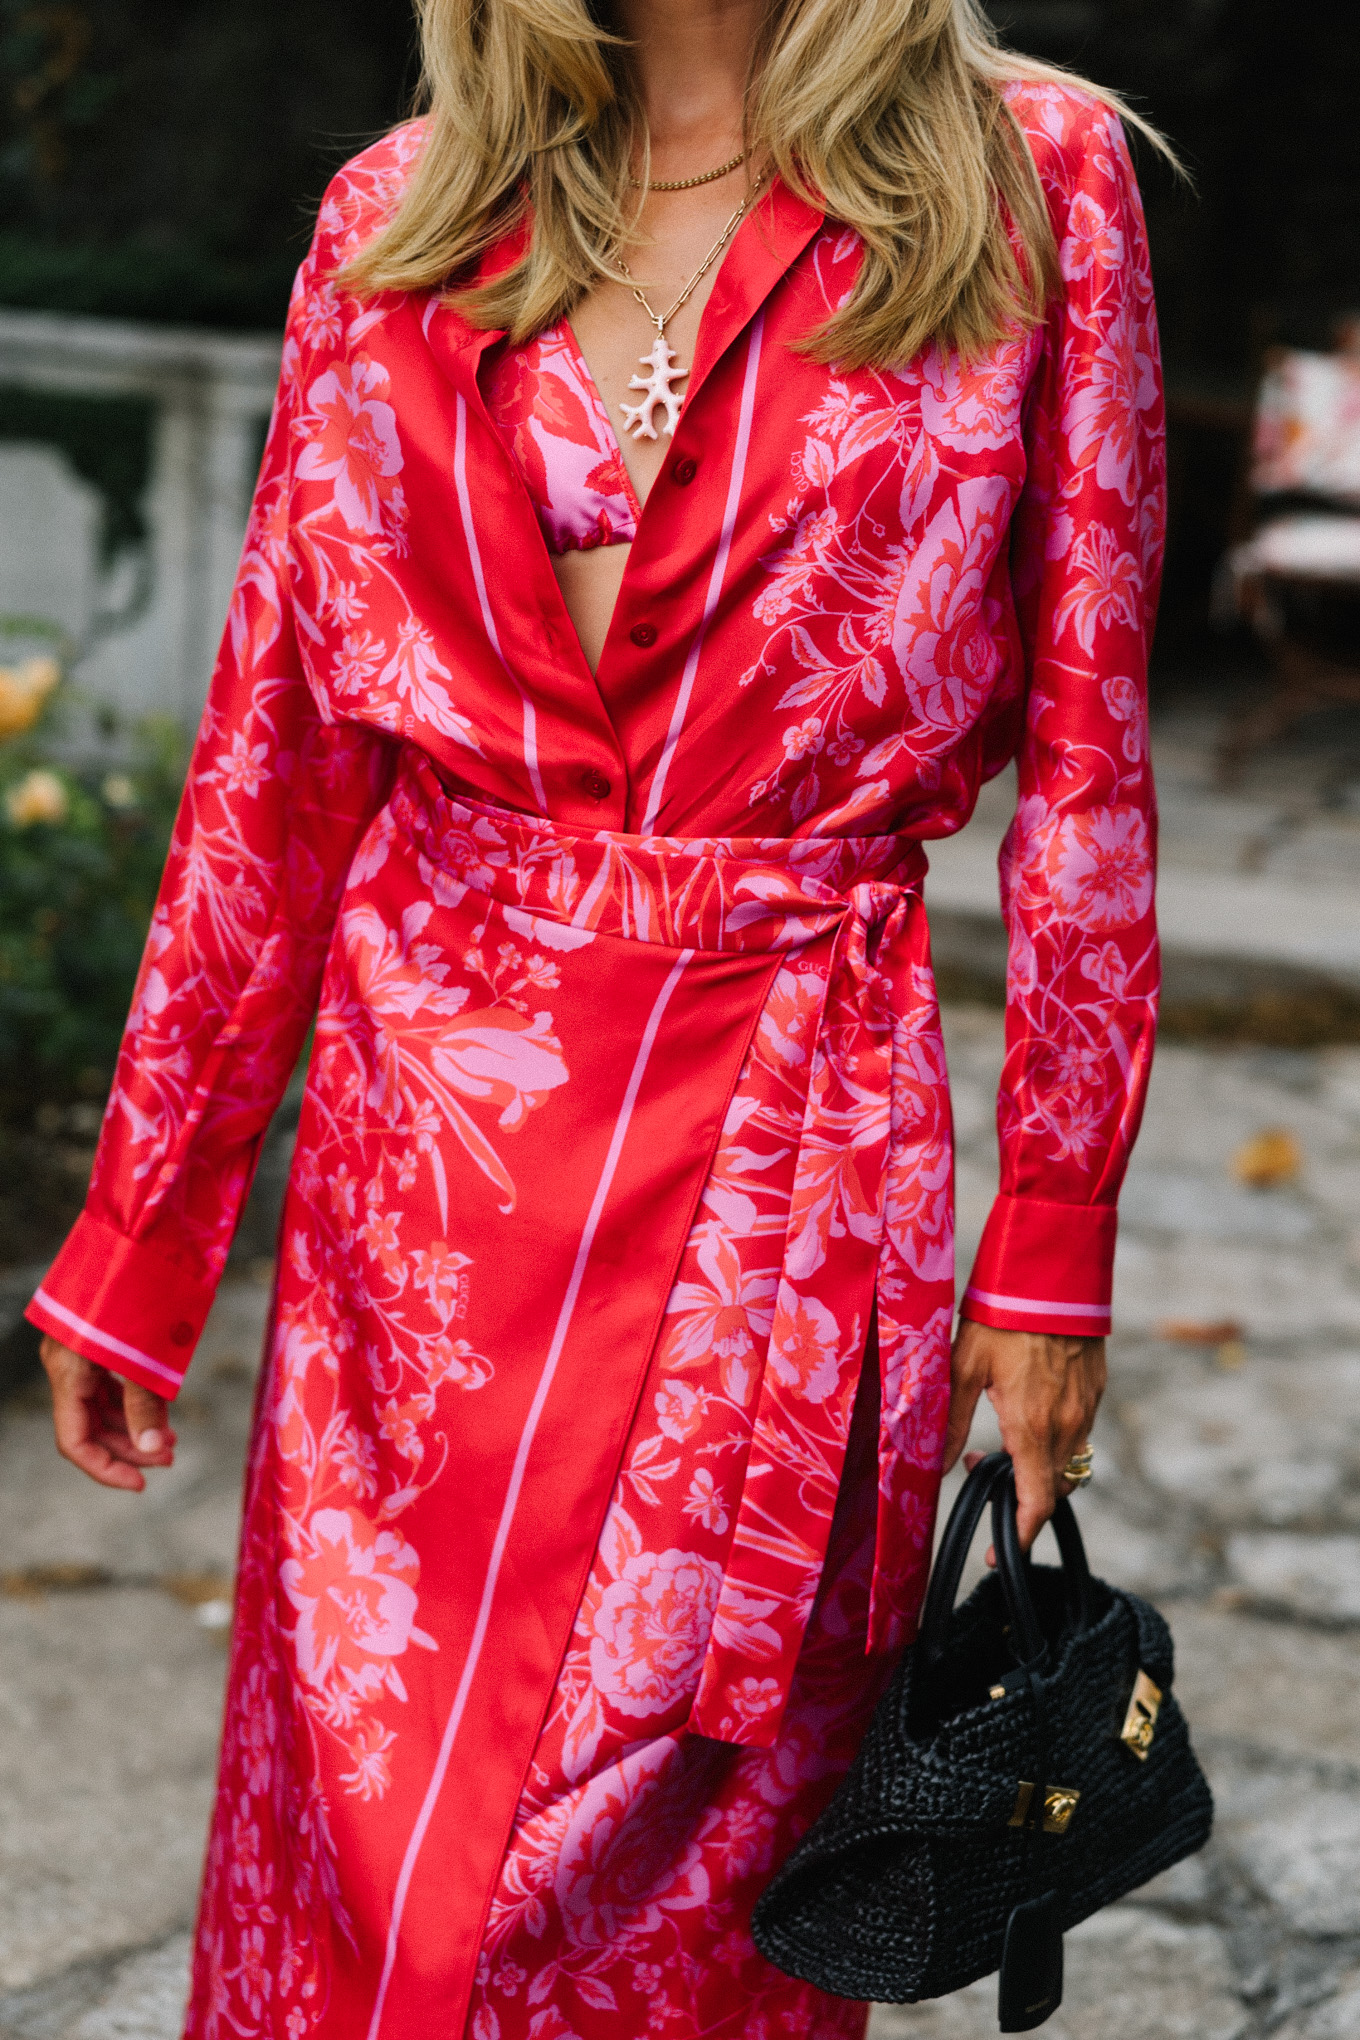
(1296, 579)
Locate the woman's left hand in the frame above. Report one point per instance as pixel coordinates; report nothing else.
(1045, 1390)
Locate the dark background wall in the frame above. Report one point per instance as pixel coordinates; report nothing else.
(1262, 99)
(160, 159)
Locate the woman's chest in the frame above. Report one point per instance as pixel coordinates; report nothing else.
(813, 616)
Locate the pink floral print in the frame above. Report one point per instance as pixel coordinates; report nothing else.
(543, 401)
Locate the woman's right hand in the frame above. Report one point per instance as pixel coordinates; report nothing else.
(108, 1427)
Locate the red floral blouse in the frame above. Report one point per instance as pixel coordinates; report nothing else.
(852, 597)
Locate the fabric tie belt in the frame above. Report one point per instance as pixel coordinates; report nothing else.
(870, 1219)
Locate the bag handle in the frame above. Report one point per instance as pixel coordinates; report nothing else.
(959, 1532)
(1012, 1565)
(993, 1480)
(1076, 1571)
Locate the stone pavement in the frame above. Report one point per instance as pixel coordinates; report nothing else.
(1228, 1487)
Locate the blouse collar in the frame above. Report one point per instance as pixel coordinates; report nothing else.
(766, 245)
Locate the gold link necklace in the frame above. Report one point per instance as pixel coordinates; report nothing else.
(657, 387)
(688, 183)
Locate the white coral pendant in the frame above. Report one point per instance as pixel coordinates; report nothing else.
(657, 389)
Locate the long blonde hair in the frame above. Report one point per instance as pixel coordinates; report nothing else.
(887, 112)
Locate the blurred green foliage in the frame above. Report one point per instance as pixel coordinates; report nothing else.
(162, 159)
(81, 851)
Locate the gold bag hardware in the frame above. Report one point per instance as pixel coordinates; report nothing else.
(1060, 1803)
(1141, 1720)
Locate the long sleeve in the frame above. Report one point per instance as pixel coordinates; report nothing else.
(276, 801)
(1077, 866)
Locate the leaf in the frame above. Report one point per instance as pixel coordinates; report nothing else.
(596, 1994)
(620, 1540)
(561, 410)
(1268, 1159)
(879, 756)
(543, 1984)
(866, 433)
(441, 1186)
(552, 934)
(807, 651)
(481, 1150)
(805, 797)
(819, 464)
(393, 1504)
(874, 681)
(804, 693)
(582, 1738)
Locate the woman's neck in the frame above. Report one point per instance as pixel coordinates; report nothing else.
(693, 59)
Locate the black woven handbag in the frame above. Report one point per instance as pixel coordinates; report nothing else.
(1027, 1766)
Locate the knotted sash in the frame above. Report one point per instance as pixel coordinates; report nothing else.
(871, 1210)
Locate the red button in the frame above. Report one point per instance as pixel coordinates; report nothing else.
(643, 634)
(684, 472)
(182, 1334)
(595, 784)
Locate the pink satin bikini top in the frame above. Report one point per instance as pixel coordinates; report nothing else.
(543, 400)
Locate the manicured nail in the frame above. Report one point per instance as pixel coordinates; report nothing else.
(150, 1441)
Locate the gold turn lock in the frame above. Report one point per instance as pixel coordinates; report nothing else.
(1141, 1720)
(1060, 1803)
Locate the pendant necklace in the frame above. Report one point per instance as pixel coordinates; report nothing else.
(657, 387)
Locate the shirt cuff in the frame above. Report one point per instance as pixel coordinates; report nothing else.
(123, 1306)
(1044, 1268)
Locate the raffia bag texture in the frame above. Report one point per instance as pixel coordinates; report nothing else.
(905, 1887)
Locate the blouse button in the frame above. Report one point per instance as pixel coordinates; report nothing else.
(684, 472)
(643, 634)
(595, 784)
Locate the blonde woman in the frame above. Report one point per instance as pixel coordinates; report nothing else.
(711, 442)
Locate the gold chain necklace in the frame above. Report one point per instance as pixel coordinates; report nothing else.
(688, 183)
(656, 387)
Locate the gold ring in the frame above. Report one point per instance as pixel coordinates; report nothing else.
(1078, 1467)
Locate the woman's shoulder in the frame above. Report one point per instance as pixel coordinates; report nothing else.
(1066, 126)
(363, 195)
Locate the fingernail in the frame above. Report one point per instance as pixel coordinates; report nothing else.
(150, 1441)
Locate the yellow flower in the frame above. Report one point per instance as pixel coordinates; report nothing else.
(119, 791)
(23, 690)
(38, 797)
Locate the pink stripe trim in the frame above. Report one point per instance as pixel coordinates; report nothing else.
(503, 1528)
(682, 699)
(1037, 1309)
(475, 555)
(107, 1341)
